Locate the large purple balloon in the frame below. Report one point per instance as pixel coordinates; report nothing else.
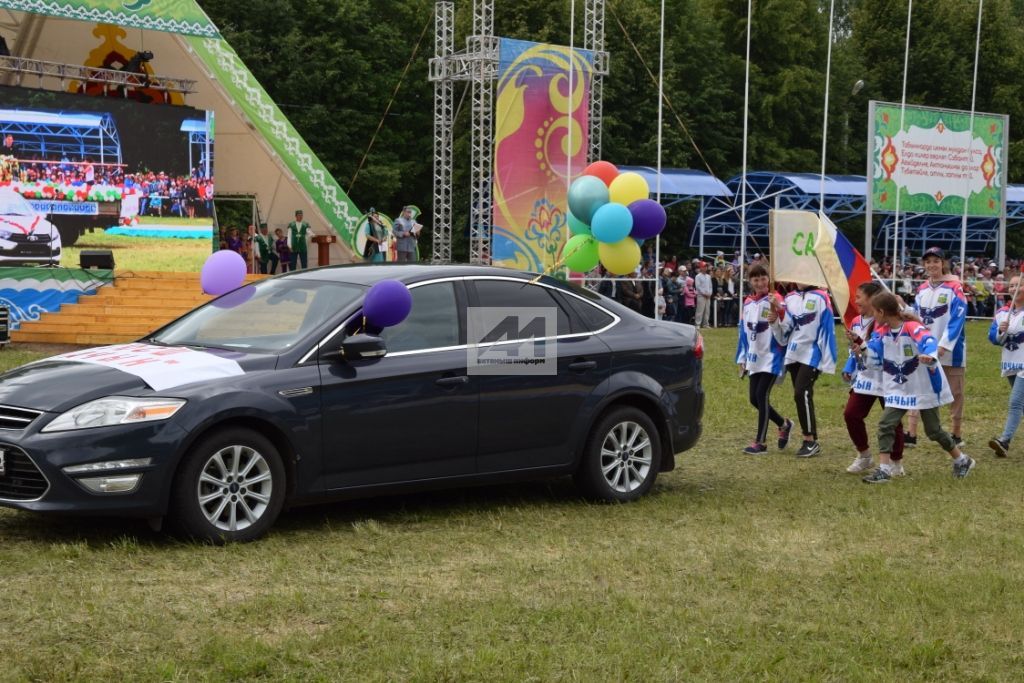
(649, 218)
(223, 271)
(387, 303)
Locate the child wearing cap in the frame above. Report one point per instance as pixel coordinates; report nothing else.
(942, 306)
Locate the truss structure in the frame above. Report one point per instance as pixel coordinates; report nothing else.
(83, 136)
(17, 69)
(478, 65)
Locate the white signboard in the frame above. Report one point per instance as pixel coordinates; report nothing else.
(160, 367)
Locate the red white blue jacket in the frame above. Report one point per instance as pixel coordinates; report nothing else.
(943, 308)
(808, 330)
(908, 383)
(865, 371)
(1012, 341)
(758, 350)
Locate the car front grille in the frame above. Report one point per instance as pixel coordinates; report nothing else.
(21, 479)
(17, 418)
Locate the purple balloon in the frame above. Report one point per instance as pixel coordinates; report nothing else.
(387, 303)
(649, 218)
(223, 271)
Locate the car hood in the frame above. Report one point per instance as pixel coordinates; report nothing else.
(56, 385)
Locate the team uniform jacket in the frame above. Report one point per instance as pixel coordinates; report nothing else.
(758, 350)
(943, 308)
(808, 330)
(866, 372)
(1012, 341)
(907, 383)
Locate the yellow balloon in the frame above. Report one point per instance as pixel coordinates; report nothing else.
(620, 258)
(628, 188)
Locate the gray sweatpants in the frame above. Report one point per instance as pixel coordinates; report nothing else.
(932, 427)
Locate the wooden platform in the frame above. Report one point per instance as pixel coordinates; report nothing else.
(136, 304)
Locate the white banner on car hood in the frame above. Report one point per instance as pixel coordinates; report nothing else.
(160, 367)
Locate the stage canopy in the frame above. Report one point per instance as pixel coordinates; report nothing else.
(680, 184)
(718, 224)
(258, 151)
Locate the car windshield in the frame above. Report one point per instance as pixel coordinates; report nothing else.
(14, 206)
(271, 316)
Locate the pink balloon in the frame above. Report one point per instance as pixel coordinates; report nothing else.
(223, 271)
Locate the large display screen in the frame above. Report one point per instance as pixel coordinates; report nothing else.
(109, 157)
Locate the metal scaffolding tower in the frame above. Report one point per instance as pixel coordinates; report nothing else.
(593, 40)
(478, 64)
(444, 115)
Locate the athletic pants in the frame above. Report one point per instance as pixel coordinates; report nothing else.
(955, 377)
(932, 427)
(858, 406)
(760, 389)
(804, 377)
(1015, 410)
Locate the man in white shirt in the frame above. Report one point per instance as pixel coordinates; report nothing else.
(702, 283)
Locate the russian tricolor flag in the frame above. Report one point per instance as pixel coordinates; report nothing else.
(844, 267)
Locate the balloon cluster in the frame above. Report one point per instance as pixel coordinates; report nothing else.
(609, 216)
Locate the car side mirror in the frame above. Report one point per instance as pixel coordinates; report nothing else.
(363, 347)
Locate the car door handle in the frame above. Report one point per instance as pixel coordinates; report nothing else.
(452, 381)
(582, 365)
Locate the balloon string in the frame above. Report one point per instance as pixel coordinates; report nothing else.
(558, 264)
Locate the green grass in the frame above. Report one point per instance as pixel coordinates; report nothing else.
(734, 569)
(143, 253)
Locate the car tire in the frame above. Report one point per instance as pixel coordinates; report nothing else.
(621, 458)
(230, 488)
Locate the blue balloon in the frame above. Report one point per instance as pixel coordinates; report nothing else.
(586, 195)
(612, 223)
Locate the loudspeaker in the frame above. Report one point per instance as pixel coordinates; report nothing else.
(96, 258)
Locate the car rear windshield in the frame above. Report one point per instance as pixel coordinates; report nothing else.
(265, 317)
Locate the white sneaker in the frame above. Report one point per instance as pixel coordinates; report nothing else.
(897, 470)
(859, 464)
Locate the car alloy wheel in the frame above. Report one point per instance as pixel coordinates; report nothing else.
(230, 487)
(622, 456)
(235, 487)
(626, 457)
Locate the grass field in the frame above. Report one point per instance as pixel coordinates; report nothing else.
(143, 253)
(734, 569)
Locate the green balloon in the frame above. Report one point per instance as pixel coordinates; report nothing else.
(578, 227)
(580, 253)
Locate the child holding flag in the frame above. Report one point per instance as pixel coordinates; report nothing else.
(911, 379)
(761, 356)
(806, 327)
(1007, 331)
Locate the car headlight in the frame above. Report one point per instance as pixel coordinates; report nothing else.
(115, 410)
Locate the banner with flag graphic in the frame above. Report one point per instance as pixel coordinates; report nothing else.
(808, 249)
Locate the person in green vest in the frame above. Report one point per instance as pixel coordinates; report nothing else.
(265, 254)
(299, 233)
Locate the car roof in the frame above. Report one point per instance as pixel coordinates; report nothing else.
(368, 274)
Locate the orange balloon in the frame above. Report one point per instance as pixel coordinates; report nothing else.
(605, 170)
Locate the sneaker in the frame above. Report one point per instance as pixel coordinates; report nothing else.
(809, 450)
(961, 470)
(879, 476)
(957, 440)
(909, 441)
(999, 446)
(896, 470)
(784, 431)
(756, 449)
(859, 464)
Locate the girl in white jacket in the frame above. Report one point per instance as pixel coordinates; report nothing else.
(1007, 331)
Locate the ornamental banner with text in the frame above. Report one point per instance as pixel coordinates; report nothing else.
(937, 161)
(534, 112)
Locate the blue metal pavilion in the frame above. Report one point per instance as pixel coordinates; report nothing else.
(78, 135)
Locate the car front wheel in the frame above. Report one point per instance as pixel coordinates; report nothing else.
(230, 488)
(621, 458)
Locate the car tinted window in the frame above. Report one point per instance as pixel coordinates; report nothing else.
(505, 294)
(432, 323)
(269, 316)
(592, 317)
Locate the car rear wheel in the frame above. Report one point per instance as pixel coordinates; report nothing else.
(622, 456)
(229, 488)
